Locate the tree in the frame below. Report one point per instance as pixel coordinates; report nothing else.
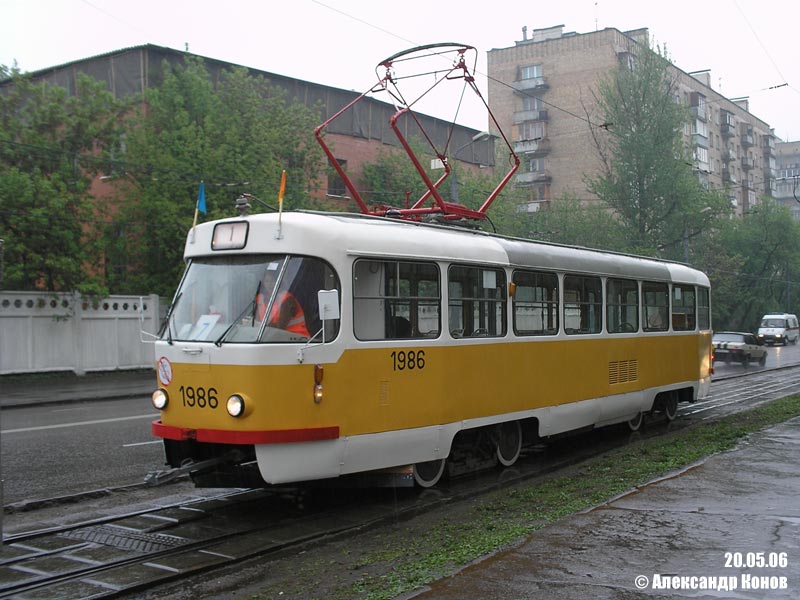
(236, 136)
(646, 172)
(751, 263)
(392, 178)
(51, 144)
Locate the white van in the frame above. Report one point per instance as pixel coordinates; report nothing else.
(780, 328)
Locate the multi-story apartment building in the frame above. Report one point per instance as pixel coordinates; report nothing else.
(787, 190)
(544, 91)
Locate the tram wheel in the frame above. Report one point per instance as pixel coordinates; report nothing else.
(636, 422)
(427, 474)
(509, 442)
(669, 407)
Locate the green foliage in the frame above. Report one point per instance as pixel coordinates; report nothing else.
(237, 136)
(647, 175)
(392, 178)
(51, 144)
(753, 264)
(571, 221)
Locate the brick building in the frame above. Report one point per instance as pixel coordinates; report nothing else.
(542, 90)
(357, 137)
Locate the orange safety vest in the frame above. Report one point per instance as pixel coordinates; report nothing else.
(297, 322)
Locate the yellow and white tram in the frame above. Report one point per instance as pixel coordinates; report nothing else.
(424, 338)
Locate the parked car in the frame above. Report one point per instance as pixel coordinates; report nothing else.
(736, 346)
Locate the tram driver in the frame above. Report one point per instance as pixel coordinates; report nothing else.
(286, 312)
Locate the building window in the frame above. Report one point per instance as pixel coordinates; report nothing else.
(534, 165)
(540, 193)
(532, 130)
(532, 103)
(336, 185)
(530, 72)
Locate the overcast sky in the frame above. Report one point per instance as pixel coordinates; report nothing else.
(750, 46)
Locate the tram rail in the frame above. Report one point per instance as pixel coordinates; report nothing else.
(135, 550)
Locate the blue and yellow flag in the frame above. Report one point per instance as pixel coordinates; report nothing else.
(201, 198)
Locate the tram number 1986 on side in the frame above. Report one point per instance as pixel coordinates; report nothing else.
(408, 360)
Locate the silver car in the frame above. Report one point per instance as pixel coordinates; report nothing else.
(735, 346)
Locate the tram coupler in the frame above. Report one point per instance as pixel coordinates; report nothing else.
(154, 478)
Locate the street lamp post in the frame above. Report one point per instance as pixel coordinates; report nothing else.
(480, 136)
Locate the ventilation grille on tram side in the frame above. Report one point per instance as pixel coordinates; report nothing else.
(623, 371)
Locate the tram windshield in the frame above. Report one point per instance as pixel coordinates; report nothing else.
(249, 299)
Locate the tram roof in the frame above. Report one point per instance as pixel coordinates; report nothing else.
(361, 235)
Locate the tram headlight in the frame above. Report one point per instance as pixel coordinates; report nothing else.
(235, 406)
(160, 399)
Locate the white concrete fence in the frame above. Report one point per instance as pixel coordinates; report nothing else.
(41, 331)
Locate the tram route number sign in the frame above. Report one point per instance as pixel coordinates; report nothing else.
(407, 360)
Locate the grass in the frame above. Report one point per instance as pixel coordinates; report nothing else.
(403, 558)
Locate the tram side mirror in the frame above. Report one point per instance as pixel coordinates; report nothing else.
(328, 304)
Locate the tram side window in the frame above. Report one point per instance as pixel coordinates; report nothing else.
(703, 308)
(477, 305)
(684, 305)
(655, 302)
(583, 304)
(396, 299)
(535, 303)
(622, 306)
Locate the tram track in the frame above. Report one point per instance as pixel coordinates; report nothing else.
(136, 550)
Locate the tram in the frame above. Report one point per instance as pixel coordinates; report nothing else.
(409, 344)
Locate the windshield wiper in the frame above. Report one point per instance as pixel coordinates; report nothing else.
(168, 318)
(251, 306)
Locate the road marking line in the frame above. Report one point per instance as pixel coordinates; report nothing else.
(78, 424)
(143, 443)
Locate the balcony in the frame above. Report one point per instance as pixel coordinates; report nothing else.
(747, 139)
(728, 177)
(534, 177)
(729, 155)
(727, 130)
(529, 85)
(532, 207)
(529, 115)
(698, 139)
(769, 145)
(747, 163)
(537, 147)
(699, 112)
